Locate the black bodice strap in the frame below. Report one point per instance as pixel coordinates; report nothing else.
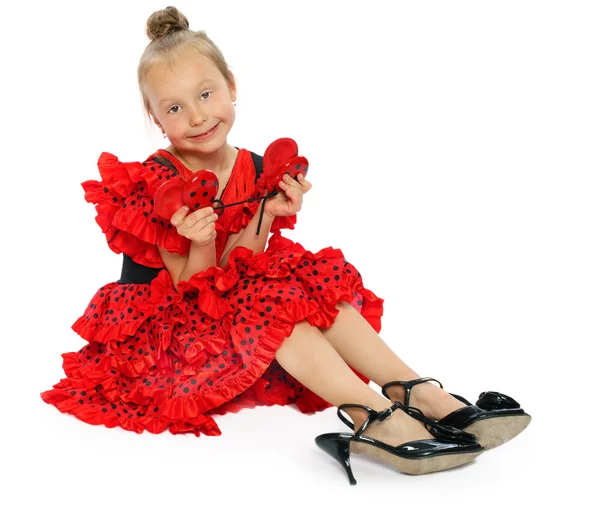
(134, 273)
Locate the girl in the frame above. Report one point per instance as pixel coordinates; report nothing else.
(205, 321)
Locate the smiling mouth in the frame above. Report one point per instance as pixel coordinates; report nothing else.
(206, 133)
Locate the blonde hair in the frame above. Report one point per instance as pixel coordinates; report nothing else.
(168, 30)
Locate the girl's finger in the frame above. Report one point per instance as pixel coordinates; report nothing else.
(306, 185)
(284, 186)
(295, 194)
(178, 217)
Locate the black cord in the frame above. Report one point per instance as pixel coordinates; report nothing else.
(222, 207)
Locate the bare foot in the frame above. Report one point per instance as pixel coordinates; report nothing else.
(429, 398)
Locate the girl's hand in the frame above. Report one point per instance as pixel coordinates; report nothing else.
(199, 226)
(289, 201)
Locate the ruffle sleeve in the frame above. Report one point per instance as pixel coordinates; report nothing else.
(124, 201)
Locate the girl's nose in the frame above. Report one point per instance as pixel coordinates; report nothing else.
(197, 117)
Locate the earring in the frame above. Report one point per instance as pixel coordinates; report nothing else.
(164, 135)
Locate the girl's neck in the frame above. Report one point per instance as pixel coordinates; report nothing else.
(221, 161)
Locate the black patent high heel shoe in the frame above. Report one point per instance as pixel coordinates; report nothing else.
(450, 448)
(495, 418)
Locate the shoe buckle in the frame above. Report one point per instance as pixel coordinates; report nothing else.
(387, 413)
(383, 415)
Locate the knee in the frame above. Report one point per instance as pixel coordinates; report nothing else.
(304, 326)
(302, 332)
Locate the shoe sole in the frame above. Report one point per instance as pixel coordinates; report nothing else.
(416, 467)
(494, 431)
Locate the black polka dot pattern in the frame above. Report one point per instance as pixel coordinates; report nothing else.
(124, 202)
(159, 359)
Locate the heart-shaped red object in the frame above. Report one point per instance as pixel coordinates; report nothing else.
(201, 189)
(279, 153)
(169, 198)
(198, 191)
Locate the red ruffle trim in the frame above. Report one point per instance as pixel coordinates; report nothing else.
(248, 388)
(129, 420)
(124, 204)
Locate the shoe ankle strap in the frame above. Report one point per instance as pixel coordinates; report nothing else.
(372, 415)
(443, 433)
(440, 432)
(408, 385)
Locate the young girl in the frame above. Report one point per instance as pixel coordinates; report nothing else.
(205, 321)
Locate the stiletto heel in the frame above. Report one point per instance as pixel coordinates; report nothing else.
(495, 418)
(450, 448)
(339, 450)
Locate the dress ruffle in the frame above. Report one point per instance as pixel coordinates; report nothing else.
(124, 200)
(131, 367)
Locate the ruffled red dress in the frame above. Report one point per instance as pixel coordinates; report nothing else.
(159, 359)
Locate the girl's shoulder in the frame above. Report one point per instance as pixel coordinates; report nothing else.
(124, 202)
(124, 176)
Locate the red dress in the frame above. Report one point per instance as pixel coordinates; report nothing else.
(156, 358)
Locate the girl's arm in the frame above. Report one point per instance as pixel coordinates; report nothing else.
(201, 257)
(182, 267)
(248, 238)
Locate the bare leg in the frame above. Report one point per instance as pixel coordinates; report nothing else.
(363, 349)
(311, 359)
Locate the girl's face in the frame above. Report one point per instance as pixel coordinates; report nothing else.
(189, 99)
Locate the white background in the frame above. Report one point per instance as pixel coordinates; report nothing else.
(454, 160)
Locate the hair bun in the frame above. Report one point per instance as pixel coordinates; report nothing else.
(166, 21)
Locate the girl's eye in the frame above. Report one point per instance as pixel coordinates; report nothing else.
(177, 106)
